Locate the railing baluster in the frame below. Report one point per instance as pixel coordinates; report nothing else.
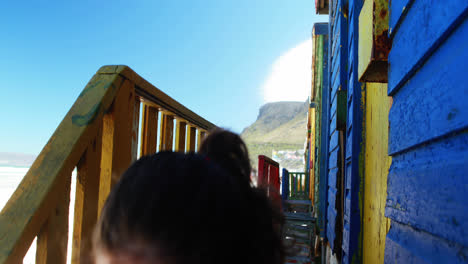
(295, 184)
(302, 185)
(200, 136)
(290, 186)
(53, 238)
(149, 130)
(166, 134)
(105, 182)
(86, 201)
(180, 136)
(191, 134)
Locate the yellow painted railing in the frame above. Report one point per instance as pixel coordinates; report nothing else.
(99, 137)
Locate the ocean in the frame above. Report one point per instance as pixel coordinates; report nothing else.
(10, 177)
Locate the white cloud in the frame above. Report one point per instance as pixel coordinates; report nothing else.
(290, 76)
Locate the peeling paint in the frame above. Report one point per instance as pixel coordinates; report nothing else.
(84, 120)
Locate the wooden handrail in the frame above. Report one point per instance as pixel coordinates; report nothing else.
(99, 137)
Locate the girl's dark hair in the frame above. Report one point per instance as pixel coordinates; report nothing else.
(228, 150)
(185, 208)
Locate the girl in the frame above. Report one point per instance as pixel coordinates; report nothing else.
(186, 208)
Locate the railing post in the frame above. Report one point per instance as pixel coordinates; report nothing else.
(295, 185)
(86, 201)
(53, 238)
(117, 140)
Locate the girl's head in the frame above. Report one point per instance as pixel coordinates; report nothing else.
(185, 208)
(229, 150)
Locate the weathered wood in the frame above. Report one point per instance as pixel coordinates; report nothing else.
(427, 191)
(191, 137)
(29, 207)
(118, 131)
(376, 163)
(411, 48)
(105, 182)
(53, 238)
(334, 100)
(124, 131)
(374, 43)
(399, 10)
(433, 104)
(166, 135)
(438, 169)
(353, 171)
(180, 135)
(86, 201)
(149, 130)
(406, 245)
(321, 7)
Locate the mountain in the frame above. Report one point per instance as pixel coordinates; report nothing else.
(280, 126)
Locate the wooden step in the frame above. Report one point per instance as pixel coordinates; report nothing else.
(299, 216)
(300, 206)
(302, 202)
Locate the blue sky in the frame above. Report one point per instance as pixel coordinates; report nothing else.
(212, 56)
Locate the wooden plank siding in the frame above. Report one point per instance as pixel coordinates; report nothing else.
(312, 157)
(427, 184)
(321, 126)
(354, 161)
(337, 85)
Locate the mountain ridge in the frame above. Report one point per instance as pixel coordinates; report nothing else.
(279, 126)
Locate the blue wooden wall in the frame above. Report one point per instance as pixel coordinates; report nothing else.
(354, 157)
(338, 81)
(428, 180)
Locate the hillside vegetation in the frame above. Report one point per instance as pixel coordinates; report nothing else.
(279, 126)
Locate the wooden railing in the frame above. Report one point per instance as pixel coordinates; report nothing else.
(295, 185)
(99, 137)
